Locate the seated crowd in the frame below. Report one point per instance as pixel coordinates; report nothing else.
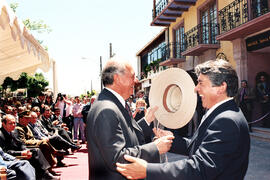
(35, 135)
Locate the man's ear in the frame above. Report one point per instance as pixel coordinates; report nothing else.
(222, 88)
(116, 79)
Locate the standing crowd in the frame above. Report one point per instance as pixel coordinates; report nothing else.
(37, 133)
(248, 97)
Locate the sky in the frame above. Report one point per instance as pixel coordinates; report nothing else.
(82, 31)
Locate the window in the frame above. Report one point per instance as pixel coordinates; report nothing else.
(259, 7)
(208, 26)
(179, 41)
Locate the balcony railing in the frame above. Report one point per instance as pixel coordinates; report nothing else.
(204, 33)
(171, 50)
(159, 7)
(163, 53)
(158, 54)
(238, 13)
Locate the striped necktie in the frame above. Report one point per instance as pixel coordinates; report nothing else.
(128, 109)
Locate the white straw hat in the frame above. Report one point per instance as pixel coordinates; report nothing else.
(173, 92)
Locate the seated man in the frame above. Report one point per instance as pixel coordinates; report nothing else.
(57, 120)
(46, 121)
(15, 147)
(16, 169)
(24, 134)
(40, 133)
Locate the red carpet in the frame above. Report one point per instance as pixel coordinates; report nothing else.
(77, 166)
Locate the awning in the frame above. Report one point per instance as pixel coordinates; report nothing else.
(19, 50)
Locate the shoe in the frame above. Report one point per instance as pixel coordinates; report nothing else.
(49, 176)
(59, 153)
(61, 164)
(75, 148)
(67, 152)
(54, 173)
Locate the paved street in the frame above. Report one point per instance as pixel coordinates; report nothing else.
(259, 162)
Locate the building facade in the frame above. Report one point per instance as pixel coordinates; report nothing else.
(199, 30)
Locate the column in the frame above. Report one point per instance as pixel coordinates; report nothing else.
(240, 57)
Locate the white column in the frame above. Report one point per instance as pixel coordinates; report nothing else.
(55, 83)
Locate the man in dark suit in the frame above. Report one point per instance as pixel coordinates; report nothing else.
(24, 134)
(263, 95)
(244, 99)
(111, 130)
(219, 149)
(14, 147)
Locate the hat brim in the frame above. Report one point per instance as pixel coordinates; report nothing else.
(185, 97)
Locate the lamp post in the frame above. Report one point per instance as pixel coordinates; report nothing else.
(100, 63)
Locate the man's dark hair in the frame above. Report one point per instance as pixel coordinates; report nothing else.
(220, 71)
(56, 109)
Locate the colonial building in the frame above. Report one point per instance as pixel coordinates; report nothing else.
(199, 30)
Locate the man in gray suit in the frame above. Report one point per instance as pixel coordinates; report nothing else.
(111, 130)
(219, 149)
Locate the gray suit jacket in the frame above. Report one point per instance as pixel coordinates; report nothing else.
(112, 133)
(219, 149)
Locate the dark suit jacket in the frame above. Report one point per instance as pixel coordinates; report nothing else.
(10, 143)
(249, 92)
(112, 133)
(14, 147)
(219, 149)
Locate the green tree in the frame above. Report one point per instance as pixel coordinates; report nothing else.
(36, 85)
(23, 80)
(9, 83)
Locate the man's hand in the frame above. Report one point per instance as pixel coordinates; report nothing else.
(149, 115)
(27, 153)
(161, 132)
(164, 143)
(135, 170)
(55, 122)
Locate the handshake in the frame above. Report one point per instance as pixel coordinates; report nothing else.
(163, 140)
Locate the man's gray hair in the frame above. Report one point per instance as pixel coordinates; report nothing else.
(219, 71)
(112, 67)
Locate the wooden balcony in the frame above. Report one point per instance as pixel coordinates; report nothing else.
(166, 11)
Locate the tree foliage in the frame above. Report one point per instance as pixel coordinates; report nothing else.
(34, 26)
(38, 26)
(14, 6)
(34, 84)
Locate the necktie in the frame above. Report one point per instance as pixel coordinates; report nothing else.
(128, 109)
(64, 110)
